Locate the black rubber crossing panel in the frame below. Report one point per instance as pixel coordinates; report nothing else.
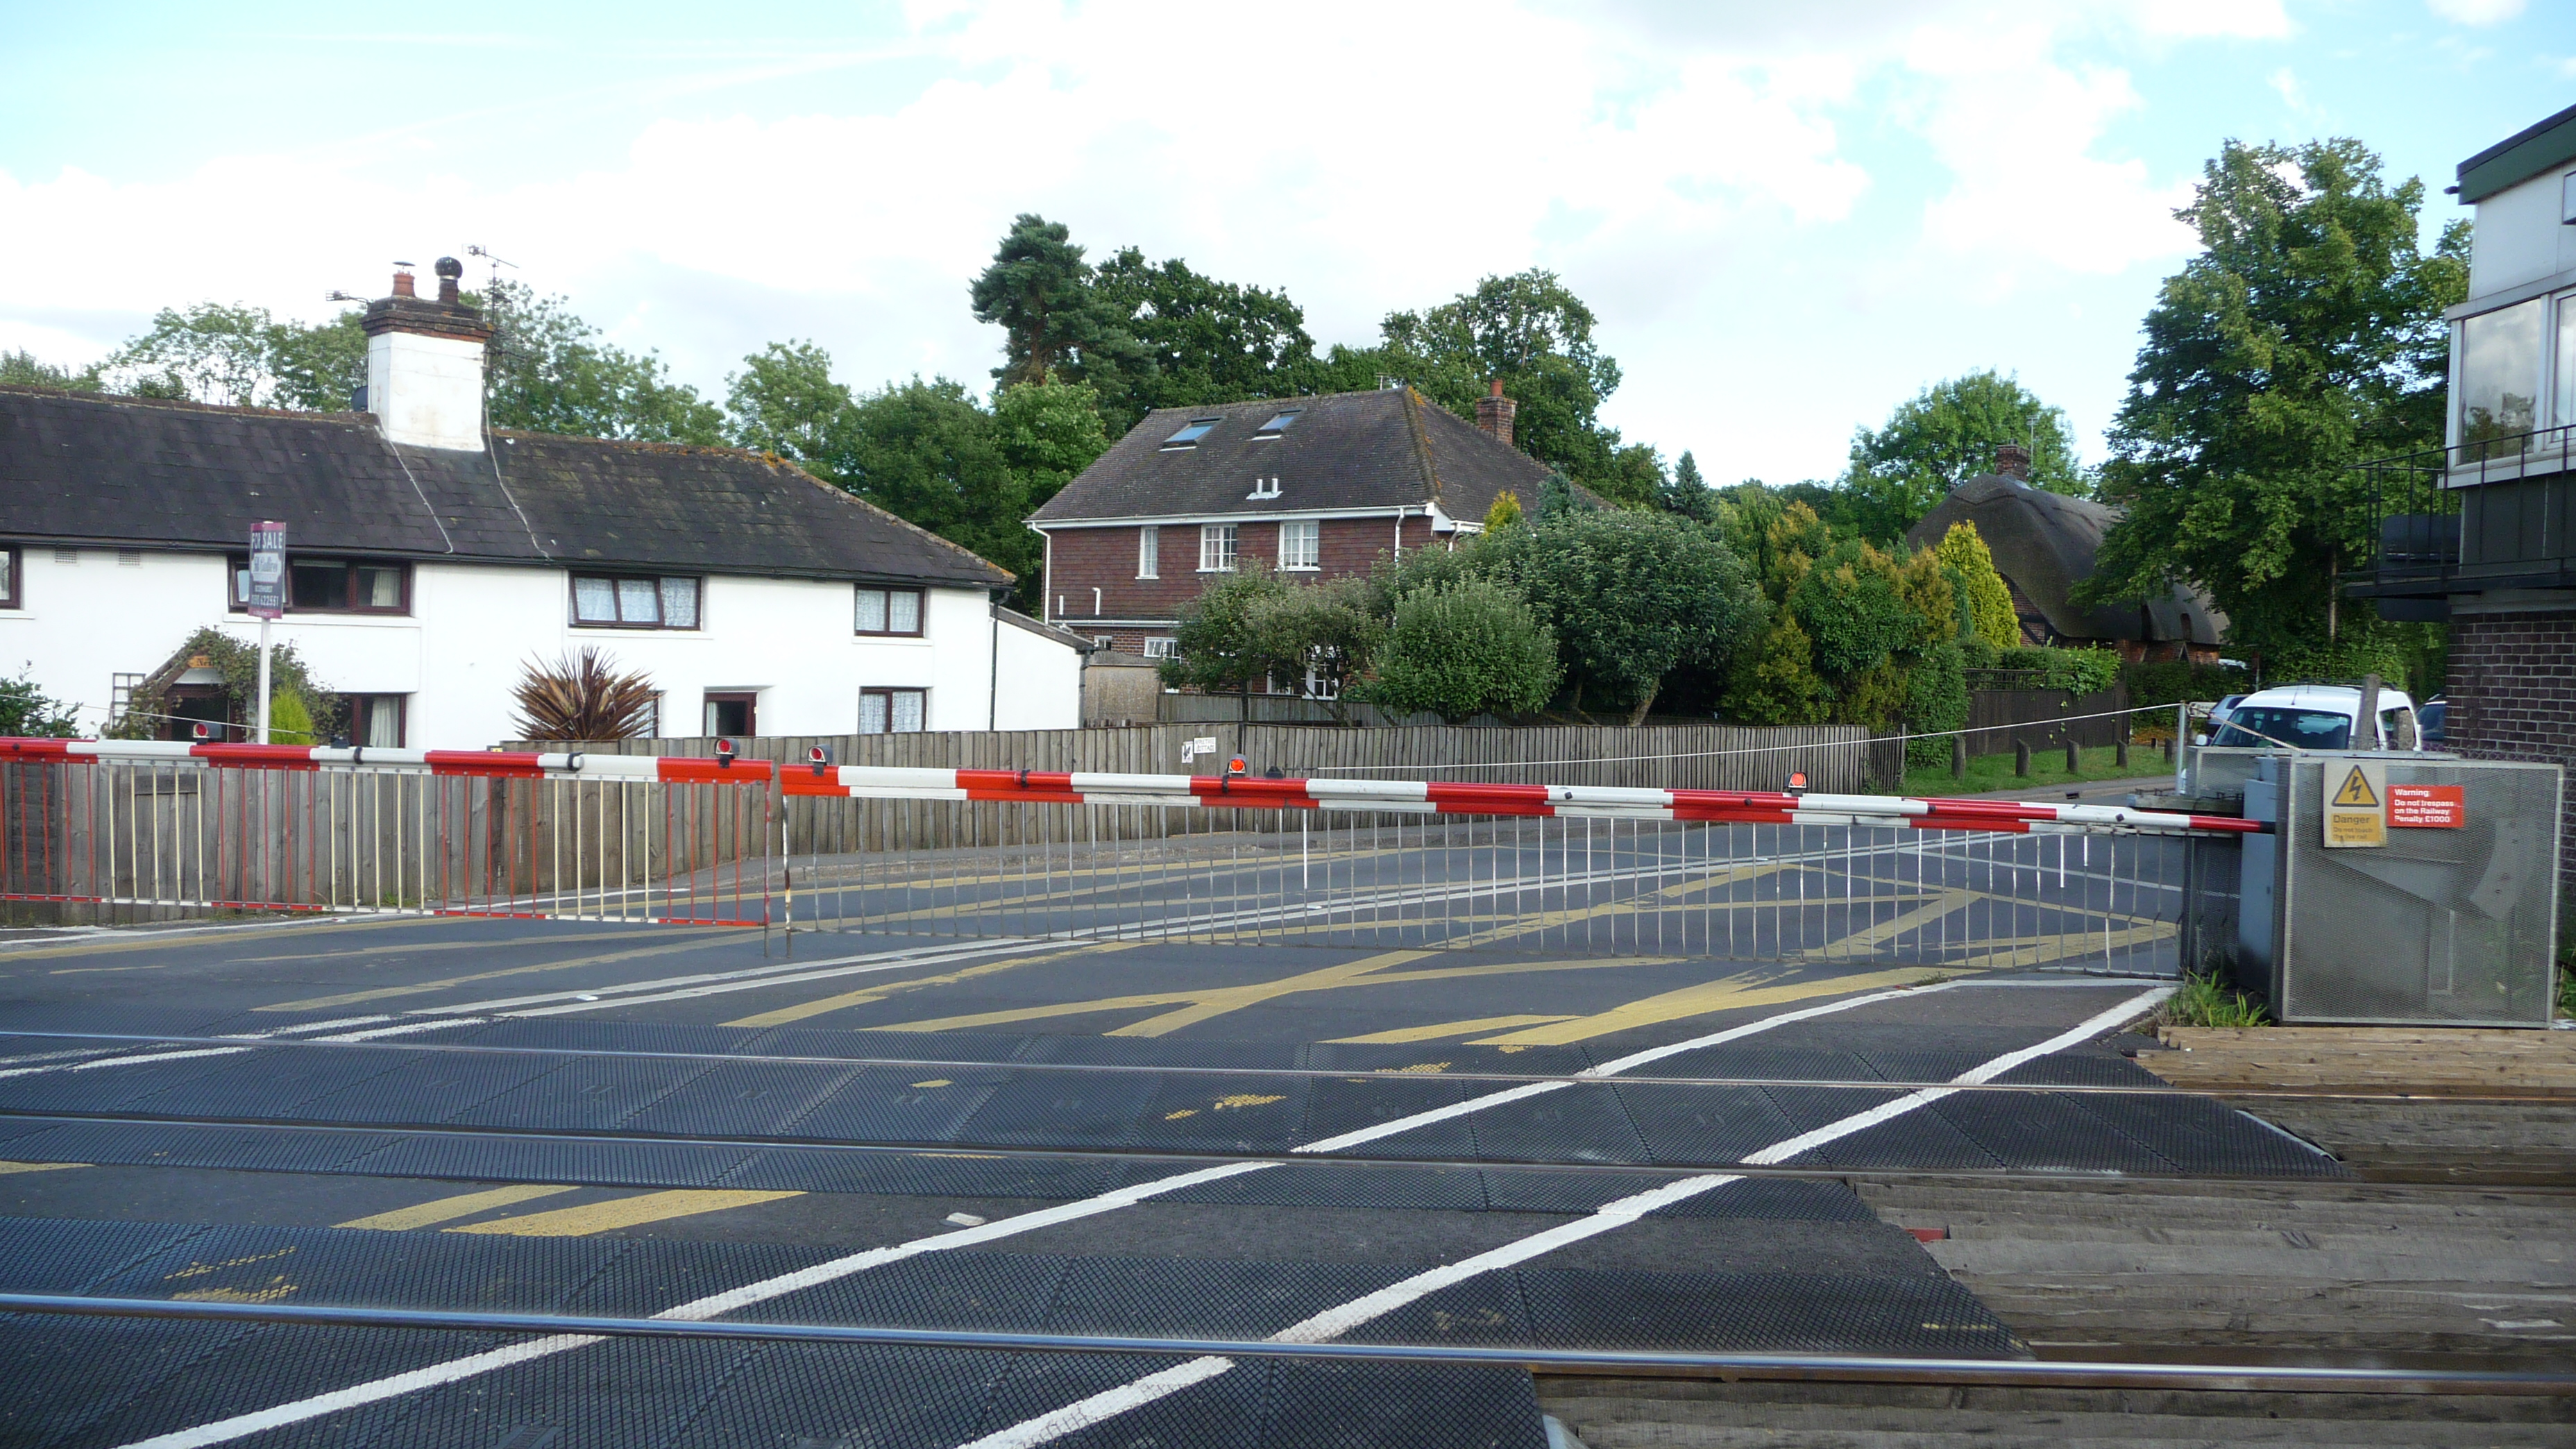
(1196, 1113)
(577, 1034)
(1570, 1124)
(585, 1094)
(965, 1175)
(2205, 1137)
(911, 1046)
(432, 1088)
(968, 1291)
(1776, 1198)
(356, 1267)
(1703, 1124)
(1201, 1298)
(746, 1100)
(1061, 1109)
(239, 1149)
(1389, 1406)
(1157, 1052)
(1336, 1105)
(1917, 1141)
(656, 1274)
(2081, 1068)
(565, 1160)
(1315, 1184)
(2047, 1133)
(60, 1378)
(1537, 1190)
(104, 1088)
(52, 1255)
(267, 1083)
(899, 1104)
(1222, 1413)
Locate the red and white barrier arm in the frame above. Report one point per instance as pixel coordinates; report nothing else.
(1742, 807)
(493, 764)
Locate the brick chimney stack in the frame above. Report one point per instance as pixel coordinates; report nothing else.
(425, 363)
(1494, 412)
(2013, 461)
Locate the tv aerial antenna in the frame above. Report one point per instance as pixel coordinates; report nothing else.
(495, 263)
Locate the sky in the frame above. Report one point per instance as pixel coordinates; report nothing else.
(1788, 218)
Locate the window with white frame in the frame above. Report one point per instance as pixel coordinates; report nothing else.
(893, 711)
(1216, 548)
(1149, 552)
(1161, 648)
(1300, 544)
(889, 611)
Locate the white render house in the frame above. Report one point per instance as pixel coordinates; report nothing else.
(430, 557)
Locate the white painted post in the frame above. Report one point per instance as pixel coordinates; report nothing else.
(263, 682)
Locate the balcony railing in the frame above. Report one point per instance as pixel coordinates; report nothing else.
(2416, 512)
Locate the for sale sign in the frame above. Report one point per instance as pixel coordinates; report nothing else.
(2428, 807)
(2356, 803)
(267, 571)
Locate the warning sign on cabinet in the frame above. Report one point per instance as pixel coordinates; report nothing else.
(2428, 807)
(2356, 803)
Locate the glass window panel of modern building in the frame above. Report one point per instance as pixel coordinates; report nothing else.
(2500, 371)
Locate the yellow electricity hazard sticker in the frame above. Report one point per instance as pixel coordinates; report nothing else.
(2356, 803)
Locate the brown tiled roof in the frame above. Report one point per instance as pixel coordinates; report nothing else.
(79, 468)
(1350, 450)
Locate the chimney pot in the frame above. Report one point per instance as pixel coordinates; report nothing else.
(449, 269)
(402, 284)
(2012, 460)
(1494, 412)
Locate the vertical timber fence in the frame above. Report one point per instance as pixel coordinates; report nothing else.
(116, 831)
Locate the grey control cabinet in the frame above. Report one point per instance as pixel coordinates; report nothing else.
(2447, 926)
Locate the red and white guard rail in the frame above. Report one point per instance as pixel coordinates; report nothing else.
(1734, 807)
(723, 769)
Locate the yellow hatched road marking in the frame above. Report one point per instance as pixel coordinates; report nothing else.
(1195, 1005)
(624, 1212)
(1728, 994)
(9, 1167)
(448, 1209)
(785, 1014)
(1435, 1032)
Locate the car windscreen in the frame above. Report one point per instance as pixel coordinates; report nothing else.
(2263, 725)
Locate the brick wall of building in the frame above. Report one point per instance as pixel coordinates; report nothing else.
(1105, 558)
(2512, 692)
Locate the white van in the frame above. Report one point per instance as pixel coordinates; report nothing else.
(2317, 717)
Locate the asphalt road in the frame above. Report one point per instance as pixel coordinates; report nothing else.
(1409, 1145)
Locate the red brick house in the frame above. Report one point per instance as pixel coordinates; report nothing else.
(1311, 486)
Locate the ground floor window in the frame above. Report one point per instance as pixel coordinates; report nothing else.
(732, 714)
(375, 720)
(893, 711)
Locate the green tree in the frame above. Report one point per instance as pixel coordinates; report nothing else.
(1631, 597)
(1227, 637)
(1208, 341)
(1533, 333)
(1331, 630)
(1055, 321)
(1688, 494)
(1775, 682)
(1985, 599)
(1473, 647)
(1936, 703)
(785, 401)
(1504, 513)
(1944, 436)
(2305, 336)
(240, 356)
(1049, 432)
(25, 369)
(548, 373)
(925, 452)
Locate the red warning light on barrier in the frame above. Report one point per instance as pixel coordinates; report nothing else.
(1797, 782)
(724, 754)
(1236, 766)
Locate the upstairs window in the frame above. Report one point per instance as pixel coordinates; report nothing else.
(610, 601)
(895, 612)
(1300, 544)
(9, 577)
(1216, 548)
(1149, 552)
(1162, 648)
(333, 585)
(2500, 366)
(1188, 437)
(1277, 425)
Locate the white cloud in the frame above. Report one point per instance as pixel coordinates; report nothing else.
(2475, 12)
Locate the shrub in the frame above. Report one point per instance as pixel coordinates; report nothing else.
(582, 697)
(2205, 1000)
(1936, 701)
(1984, 599)
(289, 722)
(25, 711)
(1471, 648)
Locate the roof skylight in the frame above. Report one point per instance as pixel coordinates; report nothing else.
(1189, 437)
(1277, 425)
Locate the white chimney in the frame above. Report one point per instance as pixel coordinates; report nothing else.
(425, 364)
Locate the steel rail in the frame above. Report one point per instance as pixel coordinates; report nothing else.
(1354, 1074)
(1596, 1361)
(1177, 1157)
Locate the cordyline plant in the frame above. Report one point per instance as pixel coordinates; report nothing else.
(582, 697)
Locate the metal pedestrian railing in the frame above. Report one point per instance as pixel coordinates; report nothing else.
(113, 830)
(1751, 875)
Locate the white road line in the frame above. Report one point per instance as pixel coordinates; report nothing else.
(151, 1057)
(1334, 1322)
(714, 1304)
(750, 978)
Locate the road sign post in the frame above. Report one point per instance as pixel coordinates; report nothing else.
(267, 599)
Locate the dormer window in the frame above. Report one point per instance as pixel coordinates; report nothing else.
(1189, 437)
(1277, 425)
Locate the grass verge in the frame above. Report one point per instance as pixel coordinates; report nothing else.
(2047, 767)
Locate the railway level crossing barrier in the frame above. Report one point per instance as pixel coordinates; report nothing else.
(119, 830)
(1753, 875)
